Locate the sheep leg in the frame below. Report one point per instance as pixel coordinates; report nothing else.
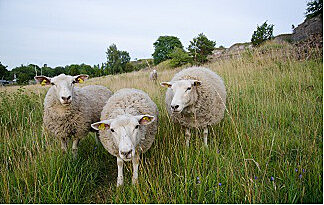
(64, 145)
(188, 135)
(135, 169)
(120, 177)
(75, 147)
(97, 139)
(205, 135)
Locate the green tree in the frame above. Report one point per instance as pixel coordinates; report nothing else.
(4, 73)
(179, 57)
(263, 33)
(24, 73)
(116, 60)
(314, 8)
(73, 69)
(200, 47)
(163, 46)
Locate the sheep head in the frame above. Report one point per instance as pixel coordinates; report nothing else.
(63, 85)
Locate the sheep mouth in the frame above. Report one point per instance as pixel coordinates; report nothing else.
(176, 111)
(66, 103)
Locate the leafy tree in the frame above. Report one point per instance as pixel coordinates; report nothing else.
(314, 8)
(24, 73)
(179, 57)
(4, 73)
(59, 70)
(163, 46)
(73, 69)
(263, 33)
(200, 47)
(116, 60)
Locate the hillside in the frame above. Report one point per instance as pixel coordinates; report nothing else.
(268, 148)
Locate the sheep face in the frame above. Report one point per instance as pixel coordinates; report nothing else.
(126, 131)
(184, 93)
(63, 85)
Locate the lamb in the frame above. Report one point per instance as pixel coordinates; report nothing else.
(68, 110)
(196, 98)
(127, 128)
(153, 75)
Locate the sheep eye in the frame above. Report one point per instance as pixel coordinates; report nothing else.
(112, 130)
(137, 126)
(189, 88)
(52, 84)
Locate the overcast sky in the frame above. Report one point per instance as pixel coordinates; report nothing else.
(63, 32)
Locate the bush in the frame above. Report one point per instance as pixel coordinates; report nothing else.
(314, 8)
(164, 46)
(179, 57)
(263, 33)
(200, 47)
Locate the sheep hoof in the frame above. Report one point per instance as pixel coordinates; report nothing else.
(120, 182)
(75, 153)
(134, 181)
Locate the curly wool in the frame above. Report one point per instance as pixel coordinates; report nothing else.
(74, 120)
(209, 107)
(133, 102)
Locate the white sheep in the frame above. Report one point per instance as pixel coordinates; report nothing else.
(127, 128)
(153, 75)
(68, 110)
(196, 98)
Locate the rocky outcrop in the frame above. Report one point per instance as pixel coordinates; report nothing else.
(307, 28)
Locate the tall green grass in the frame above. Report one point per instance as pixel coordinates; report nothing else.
(268, 148)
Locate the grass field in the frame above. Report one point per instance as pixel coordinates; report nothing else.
(268, 148)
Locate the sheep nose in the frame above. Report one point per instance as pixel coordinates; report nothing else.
(65, 99)
(127, 155)
(174, 107)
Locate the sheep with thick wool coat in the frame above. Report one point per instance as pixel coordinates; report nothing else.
(130, 118)
(207, 99)
(72, 120)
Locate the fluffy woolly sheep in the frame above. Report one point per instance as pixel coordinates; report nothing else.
(127, 128)
(196, 98)
(68, 110)
(153, 75)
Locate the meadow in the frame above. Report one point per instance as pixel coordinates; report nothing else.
(268, 148)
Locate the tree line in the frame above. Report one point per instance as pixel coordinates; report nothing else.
(165, 48)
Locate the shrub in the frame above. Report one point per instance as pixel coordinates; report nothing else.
(200, 47)
(263, 33)
(314, 8)
(163, 46)
(179, 57)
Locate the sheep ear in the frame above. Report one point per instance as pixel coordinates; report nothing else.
(102, 125)
(145, 119)
(43, 80)
(196, 82)
(166, 84)
(80, 78)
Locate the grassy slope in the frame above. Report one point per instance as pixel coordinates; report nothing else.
(273, 128)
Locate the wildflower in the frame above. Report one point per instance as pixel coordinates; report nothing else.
(304, 170)
(218, 151)
(300, 176)
(219, 184)
(255, 177)
(272, 179)
(296, 170)
(198, 181)
(95, 147)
